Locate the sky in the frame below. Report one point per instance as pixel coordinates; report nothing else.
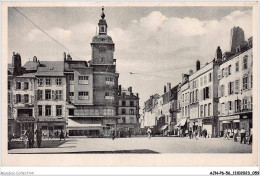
(161, 41)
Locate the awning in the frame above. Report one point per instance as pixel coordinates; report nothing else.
(181, 122)
(236, 121)
(70, 106)
(72, 124)
(226, 122)
(163, 127)
(162, 115)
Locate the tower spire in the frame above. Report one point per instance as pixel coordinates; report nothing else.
(103, 14)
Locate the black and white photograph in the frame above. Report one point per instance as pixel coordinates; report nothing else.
(112, 80)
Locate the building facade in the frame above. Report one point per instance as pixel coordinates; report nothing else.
(128, 110)
(235, 77)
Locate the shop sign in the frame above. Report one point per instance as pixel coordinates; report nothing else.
(229, 118)
(50, 120)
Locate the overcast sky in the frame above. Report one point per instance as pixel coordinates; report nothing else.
(147, 39)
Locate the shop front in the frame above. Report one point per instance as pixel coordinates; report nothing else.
(51, 127)
(207, 124)
(234, 123)
(182, 127)
(23, 124)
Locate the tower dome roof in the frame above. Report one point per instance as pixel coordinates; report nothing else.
(102, 39)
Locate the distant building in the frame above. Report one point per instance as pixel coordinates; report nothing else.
(128, 110)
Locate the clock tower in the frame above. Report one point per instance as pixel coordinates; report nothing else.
(102, 45)
(105, 77)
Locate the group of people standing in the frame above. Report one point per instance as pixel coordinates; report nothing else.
(195, 134)
(28, 138)
(120, 133)
(243, 139)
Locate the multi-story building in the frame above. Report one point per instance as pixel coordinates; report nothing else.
(50, 92)
(128, 110)
(173, 108)
(204, 98)
(151, 110)
(235, 77)
(71, 95)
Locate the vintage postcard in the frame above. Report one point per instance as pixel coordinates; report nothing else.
(129, 84)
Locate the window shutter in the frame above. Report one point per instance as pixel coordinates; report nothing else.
(226, 108)
(22, 98)
(52, 113)
(53, 94)
(61, 94)
(238, 85)
(226, 71)
(210, 92)
(38, 95)
(22, 85)
(232, 106)
(223, 91)
(219, 91)
(14, 98)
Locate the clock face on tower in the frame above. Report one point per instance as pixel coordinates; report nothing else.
(102, 49)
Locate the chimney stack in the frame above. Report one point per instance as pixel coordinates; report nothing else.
(69, 58)
(190, 72)
(34, 59)
(64, 56)
(119, 89)
(218, 55)
(137, 94)
(130, 89)
(168, 87)
(197, 65)
(164, 90)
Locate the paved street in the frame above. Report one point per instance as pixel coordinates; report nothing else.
(138, 145)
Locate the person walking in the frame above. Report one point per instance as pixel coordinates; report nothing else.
(62, 135)
(243, 135)
(196, 134)
(113, 133)
(129, 132)
(235, 135)
(39, 137)
(149, 133)
(205, 133)
(30, 136)
(190, 133)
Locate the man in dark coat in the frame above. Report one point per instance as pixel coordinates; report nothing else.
(62, 135)
(39, 137)
(30, 137)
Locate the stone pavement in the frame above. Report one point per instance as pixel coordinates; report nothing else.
(138, 145)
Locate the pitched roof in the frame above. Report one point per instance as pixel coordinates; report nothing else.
(30, 65)
(50, 68)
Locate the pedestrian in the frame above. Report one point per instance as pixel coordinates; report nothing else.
(30, 136)
(235, 135)
(25, 139)
(196, 134)
(129, 132)
(149, 133)
(61, 135)
(190, 133)
(113, 133)
(205, 133)
(243, 135)
(66, 134)
(39, 137)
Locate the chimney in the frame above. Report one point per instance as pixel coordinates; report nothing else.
(218, 55)
(34, 59)
(119, 89)
(197, 65)
(237, 38)
(164, 90)
(69, 58)
(130, 89)
(137, 94)
(168, 87)
(64, 56)
(190, 72)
